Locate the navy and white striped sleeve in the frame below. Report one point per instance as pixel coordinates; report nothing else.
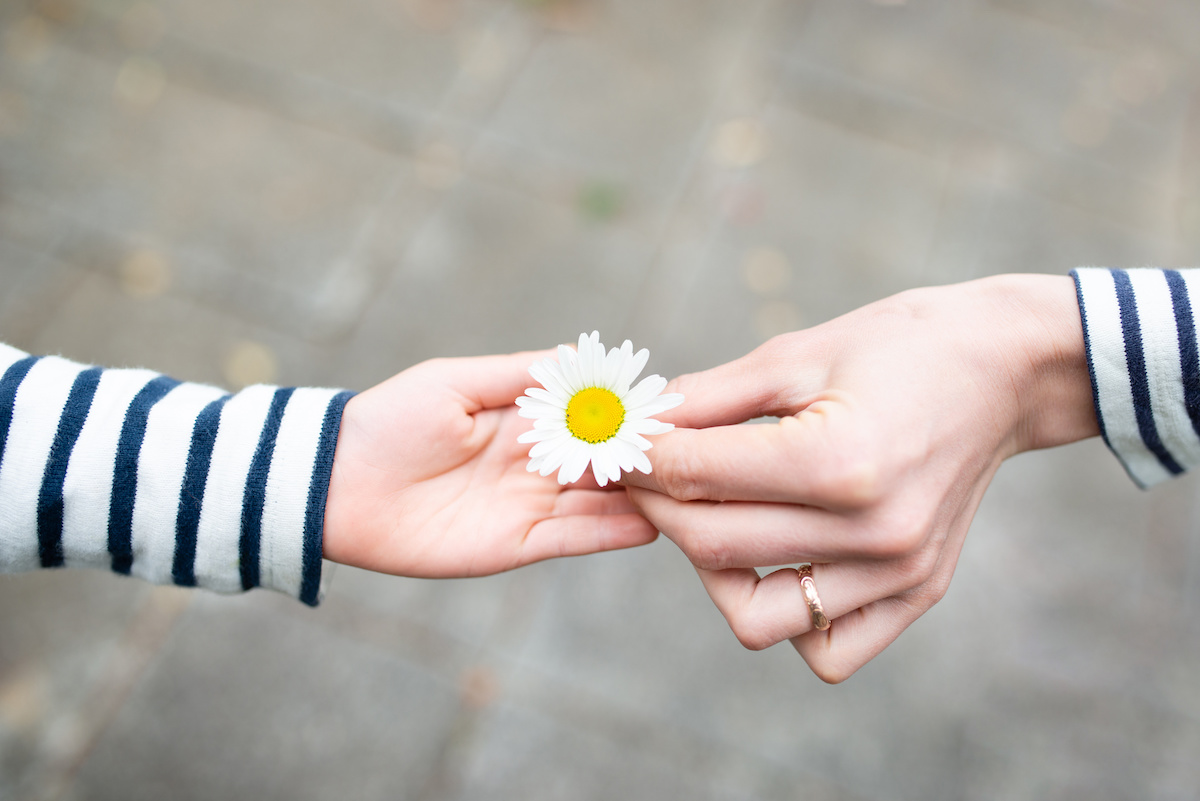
(176, 483)
(1140, 331)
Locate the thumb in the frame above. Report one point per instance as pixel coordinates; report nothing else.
(764, 382)
(488, 382)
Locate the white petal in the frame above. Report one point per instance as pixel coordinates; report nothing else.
(634, 438)
(609, 456)
(614, 470)
(642, 462)
(595, 360)
(545, 446)
(557, 376)
(554, 460)
(548, 431)
(534, 435)
(652, 407)
(549, 375)
(581, 359)
(541, 435)
(584, 356)
(621, 452)
(567, 365)
(606, 459)
(648, 426)
(534, 409)
(574, 464)
(599, 353)
(632, 368)
(545, 396)
(620, 385)
(612, 369)
(656, 405)
(646, 390)
(600, 468)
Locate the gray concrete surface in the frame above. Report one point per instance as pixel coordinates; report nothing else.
(320, 192)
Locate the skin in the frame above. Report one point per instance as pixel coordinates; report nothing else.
(429, 480)
(892, 421)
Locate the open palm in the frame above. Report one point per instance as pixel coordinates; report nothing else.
(429, 479)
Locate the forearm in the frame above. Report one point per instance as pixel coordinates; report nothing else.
(173, 482)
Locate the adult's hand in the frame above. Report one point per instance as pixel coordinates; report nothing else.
(892, 421)
(429, 479)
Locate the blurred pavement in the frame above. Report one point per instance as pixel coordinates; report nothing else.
(317, 192)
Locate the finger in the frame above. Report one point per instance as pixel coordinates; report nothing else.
(716, 536)
(861, 635)
(577, 501)
(820, 456)
(760, 383)
(764, 611)
(856, 638)
(576, 535)
(488, 382)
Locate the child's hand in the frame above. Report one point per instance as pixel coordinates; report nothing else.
(429, 479)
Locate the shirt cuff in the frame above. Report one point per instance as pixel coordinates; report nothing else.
(173, 482)
(1140, 333)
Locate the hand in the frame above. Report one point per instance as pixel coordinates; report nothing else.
(893, 420)
(429, 480)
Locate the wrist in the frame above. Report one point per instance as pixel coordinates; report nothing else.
(1040, 335)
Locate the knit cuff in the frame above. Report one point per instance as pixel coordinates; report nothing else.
(173, 482)
(1140, 333)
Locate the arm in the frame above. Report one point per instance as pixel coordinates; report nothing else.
(182, 483)
(172, 482)
(893, 420)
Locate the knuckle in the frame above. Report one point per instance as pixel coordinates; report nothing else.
(780, 348)
(855, 480)
(680, 478)
(901, 534)
(922, 565)
(750, 632)
(684, 384)
(708, 552)
(927, 594)
(935, 588)
(830, 671)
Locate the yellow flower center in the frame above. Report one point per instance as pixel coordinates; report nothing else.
(594, 414)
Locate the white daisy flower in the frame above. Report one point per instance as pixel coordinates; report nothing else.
(587, 411)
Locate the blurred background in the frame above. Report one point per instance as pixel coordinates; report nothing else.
(317, 192)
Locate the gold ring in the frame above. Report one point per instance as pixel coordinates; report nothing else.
(809, 588)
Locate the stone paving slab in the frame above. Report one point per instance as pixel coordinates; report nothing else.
(258, 235)
(36, 281)
(228, 710)
(55, 655)
(495, 270)
(521, 755)
(102, 322)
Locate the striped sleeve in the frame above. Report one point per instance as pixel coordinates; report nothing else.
(1140, 333)
(177, 483)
